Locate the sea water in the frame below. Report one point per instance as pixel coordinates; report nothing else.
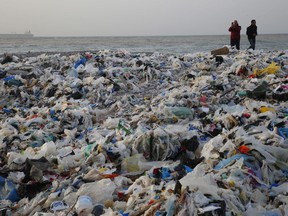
(162, 44)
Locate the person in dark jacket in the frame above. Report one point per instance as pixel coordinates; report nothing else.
(251, 32)
(235, 34)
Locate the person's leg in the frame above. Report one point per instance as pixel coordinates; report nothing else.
(232, 43)
(237, 43)
(252, 43)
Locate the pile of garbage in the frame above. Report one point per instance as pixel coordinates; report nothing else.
(119, 133)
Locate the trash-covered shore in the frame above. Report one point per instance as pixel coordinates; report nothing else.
(118, 133)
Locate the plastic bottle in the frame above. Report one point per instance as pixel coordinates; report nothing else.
(242, 93)
(84, 204)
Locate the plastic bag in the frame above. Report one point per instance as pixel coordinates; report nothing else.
(131, 164)
(271, 69)
(8, 190)
(180, 112)
(99, 191)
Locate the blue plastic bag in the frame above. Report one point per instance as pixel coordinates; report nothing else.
(227, 161)
(8, 190)
(81, 61)
(283, 132)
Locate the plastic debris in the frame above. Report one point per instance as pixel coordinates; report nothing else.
(120, 133)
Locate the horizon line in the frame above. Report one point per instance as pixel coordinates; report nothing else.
(184, 35)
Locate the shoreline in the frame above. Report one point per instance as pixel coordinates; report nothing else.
(34, 54)
(136, 45)
(66, 53)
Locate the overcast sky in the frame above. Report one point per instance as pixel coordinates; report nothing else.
(140, 17)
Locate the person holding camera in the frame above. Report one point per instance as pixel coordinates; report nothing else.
(251, 32)
(235, 34)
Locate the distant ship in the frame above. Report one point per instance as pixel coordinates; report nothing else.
(27, 34)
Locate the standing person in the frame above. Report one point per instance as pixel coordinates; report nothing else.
(235, 34)
(251, 33)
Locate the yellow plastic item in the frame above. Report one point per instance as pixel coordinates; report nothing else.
(266, 109)
(131, 164)
(231, 183)
(271, 69)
